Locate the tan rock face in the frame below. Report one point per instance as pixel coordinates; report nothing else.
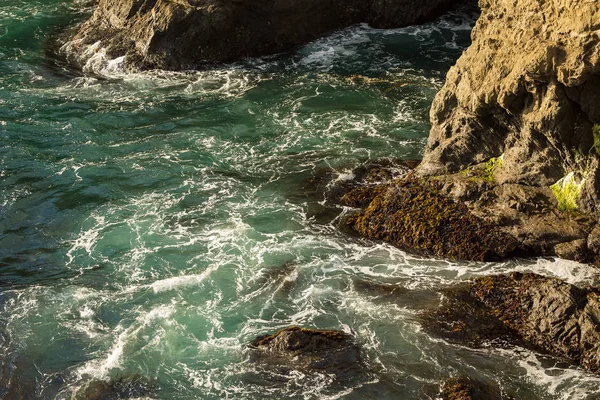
(529, 88)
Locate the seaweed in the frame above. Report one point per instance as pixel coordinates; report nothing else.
(412, 214)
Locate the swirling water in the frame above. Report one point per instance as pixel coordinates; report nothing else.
(153, 224)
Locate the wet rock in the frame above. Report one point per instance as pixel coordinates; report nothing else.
(295, 348)
(326, 183)
(576, 250)
(377, 289)
(127, 387)
(413, 214)
(464, 319)
(542, 313)
(524, 123)
(465, 388)
(282, 277)
(379, 292)
(469, 216)
(180, 35)
(322, 192)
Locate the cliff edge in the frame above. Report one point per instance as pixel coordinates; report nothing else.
(526, 90)
(515, 139)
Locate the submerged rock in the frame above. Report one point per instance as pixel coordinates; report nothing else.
(542, 313)
(465, 388)
(125, 387)
(323, 191)
(179, 35)
(295, 348)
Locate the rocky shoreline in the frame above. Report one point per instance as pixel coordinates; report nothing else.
(511, 168)
(184, 35)
(468, 216)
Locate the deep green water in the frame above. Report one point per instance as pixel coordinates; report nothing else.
(153, 224)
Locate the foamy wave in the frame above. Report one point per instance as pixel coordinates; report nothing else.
(182, 281)
(101, 367)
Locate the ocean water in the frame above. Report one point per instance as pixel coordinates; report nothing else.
(153, 224)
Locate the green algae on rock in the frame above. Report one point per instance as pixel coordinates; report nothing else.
(466, 216)
(567, 191)
(412, 214)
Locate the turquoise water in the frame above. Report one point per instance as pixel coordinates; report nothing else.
(152, 224)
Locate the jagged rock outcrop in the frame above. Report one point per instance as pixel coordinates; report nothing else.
(296, 348)
(538, 312)
(515, 139)
(187, 34)
(465, 388)
(528, 88)
(468, 216)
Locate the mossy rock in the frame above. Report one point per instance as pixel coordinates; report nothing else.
(412, 214)
(465, 388)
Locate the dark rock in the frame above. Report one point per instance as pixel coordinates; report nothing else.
(468, 215)
(464, 319)
(576, 250)
(126, 387)
(379, 292)
(542, 313)
(323, 191)
(296, 348)
(179, 35)
(412, 214)
(282, 277)
(593, 241)
(465, 388)
(377, 289)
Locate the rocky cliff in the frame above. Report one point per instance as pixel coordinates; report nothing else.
(527, 90)
(187, 34)
(515, 138)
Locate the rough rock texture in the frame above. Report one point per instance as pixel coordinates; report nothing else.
(465, 388)
(185, 34)
(129, 387)
(528, 88)
(334, 352)
(539, 312)
(468, 216)
(412, 214)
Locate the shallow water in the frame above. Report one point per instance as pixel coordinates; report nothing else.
(153, 224)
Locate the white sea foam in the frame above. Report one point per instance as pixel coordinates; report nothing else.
(182, 281)
(174, 276)
(561, 382)
(113, 358)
